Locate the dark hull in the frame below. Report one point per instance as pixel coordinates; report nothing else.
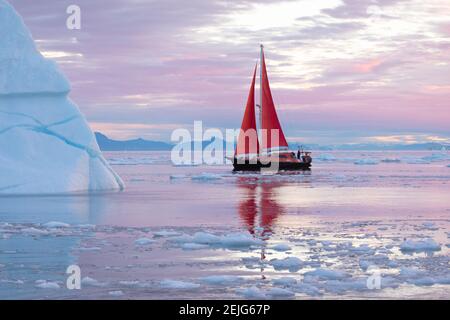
(282, 166)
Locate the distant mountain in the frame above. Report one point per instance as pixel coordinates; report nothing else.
(375, 147)
(107, 144)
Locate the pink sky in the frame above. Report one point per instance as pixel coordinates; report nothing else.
(341, 71)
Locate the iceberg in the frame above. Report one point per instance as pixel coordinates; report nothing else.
(46, 144)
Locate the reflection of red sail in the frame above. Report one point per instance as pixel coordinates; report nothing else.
(270, 120)
(248, 210)
(258, 211)
(248, 137)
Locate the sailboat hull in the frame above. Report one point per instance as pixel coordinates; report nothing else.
(282, 166)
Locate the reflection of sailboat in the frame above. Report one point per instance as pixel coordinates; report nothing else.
(259, 209)
(273, 151)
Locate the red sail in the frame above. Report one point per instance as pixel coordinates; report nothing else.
(270, 122)
(248, 138)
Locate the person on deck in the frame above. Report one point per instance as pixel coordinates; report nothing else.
(298, 153)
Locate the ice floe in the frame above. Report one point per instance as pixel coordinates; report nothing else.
(180, 285)
(206, 177)
(34, 231)
(56, 224)
(366, 161)
(281, 247)
(391, 160)
(420, 245)
(116, 293)
(292, 264)
(44, 284)
(90, 282)
(165, 233)
(284, 281)
(326, 274)
(144, 241)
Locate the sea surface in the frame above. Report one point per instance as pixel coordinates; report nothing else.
(358, 225)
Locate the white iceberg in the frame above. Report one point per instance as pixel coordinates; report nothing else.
(46, 144)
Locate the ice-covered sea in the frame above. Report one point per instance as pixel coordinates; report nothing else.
(358, 225)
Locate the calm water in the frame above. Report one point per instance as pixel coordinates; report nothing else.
(204, 232)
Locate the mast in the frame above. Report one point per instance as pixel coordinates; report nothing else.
(260, 86)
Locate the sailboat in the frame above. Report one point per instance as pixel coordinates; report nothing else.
(270, 149)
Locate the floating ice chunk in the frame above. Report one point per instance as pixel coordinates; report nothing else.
(366, 162)
(220, 280)
(44, 284)
(12, 281)
(90, 282)
(374, 261)
(308, 289)
(429, 226)
(435, 157)
(391, 160)
(281, 247)
(326, 274)
(420, 246)
(206, 177)
(239, 240)
(86, 226)
(56, 224)
(362, 249)
(193, 246)
(143, 241)
(116, 293)
(285, 281)
(165, 233)
(130, 283)
(292, 264)
(205, 238)
(34, 231)
(416, 161)
(177, 176)
(181, 285)
(280, 293)
(252, 293)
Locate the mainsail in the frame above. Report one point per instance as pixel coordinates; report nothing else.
(247, 144)
(273, 138)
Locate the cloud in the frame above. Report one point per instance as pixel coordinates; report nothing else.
(333, 65)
